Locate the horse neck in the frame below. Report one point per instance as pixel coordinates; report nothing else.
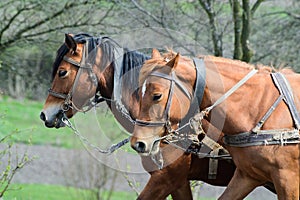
(130, 69)
(105, 81)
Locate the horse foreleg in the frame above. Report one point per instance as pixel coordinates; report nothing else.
(157, 188)
(287, 184)
(183, 193)
(239, 186)
(162, 183)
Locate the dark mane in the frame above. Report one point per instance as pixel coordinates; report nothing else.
(132, 64)
(133, 59)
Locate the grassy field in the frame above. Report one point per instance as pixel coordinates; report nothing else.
(21, 119)
(38, 191)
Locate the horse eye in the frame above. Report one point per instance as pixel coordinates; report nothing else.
(62, 73)
(157, 97)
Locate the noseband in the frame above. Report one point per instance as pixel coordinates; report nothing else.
(80, 65)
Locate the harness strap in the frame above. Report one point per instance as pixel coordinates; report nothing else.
(267, 115)
(72, 61)
(172, 78)
(198, 91)
(263, 137)
(271, 137)
(284, 88)
(210, 143)
(213, 164)
(171, 90)
(148, 123)
(231, 90)
(56, 94)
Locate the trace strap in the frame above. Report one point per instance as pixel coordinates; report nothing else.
(232, 90)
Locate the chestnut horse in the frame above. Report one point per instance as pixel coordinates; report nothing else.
(75, 81)
(236, 99)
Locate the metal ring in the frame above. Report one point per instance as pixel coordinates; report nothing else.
(65, 107)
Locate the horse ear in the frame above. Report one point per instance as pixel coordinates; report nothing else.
(70, 42)
(174, 62)
(155, 53)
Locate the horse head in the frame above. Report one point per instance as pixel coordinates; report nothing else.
(75, 78)
(166, 88)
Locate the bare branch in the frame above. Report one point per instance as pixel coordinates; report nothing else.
(11, 20)
(146, 12)
(133, 15)
(255, 6)
(27, 31)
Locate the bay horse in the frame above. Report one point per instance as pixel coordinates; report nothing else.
(75, 81)
(253, 107)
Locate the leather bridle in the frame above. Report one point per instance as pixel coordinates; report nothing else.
(67, 104)
(174, 81)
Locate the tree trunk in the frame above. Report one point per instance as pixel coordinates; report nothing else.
(238, 25)
(216, 38)
(247, 52)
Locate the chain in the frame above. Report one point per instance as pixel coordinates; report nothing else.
(109, 150)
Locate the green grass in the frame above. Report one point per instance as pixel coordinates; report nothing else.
(22, 119)
(56, 192)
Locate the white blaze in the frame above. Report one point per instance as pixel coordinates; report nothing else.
(144, 88)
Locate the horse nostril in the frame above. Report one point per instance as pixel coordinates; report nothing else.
(140, 147)
(43, 116)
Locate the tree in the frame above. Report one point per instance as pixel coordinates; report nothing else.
(212, 23)
(32, 25)
(33, 19)
(242, 17)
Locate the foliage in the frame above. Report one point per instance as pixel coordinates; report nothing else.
(213, 24)
(11, 162)
(33, 26)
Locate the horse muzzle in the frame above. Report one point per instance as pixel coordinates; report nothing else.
(146, 148)
(55, 121)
